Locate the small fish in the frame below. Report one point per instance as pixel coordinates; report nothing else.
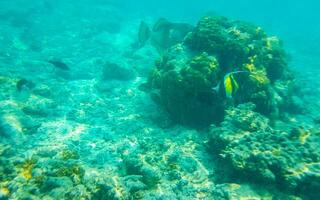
(229, 83)
(59, 64)
(24, 83)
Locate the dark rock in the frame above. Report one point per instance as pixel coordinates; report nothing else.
(113, 71)
(24, 83)
(57, 182)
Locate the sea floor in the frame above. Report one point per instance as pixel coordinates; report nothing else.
(79, 134)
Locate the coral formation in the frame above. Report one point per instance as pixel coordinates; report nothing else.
(287, 158)
(184, 78)
(183, 86)
(26, 168)
(85, 130)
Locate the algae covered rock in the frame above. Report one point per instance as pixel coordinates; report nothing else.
(182, 84)
(238, 44)
(149, 175)
(220, 62)
(14, 124)
(226, 39)
(289, 159)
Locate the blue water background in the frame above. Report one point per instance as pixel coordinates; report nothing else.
(78, 30)
(295, 22)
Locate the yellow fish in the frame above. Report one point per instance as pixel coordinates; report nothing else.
(230, 84)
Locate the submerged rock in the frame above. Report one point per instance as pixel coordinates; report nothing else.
(38, 106)
(14, 124)
(243, 191)
(24, 83)
(10, 126)
(149, 175)
(114, 71)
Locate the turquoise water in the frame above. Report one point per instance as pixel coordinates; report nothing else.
(95, 106)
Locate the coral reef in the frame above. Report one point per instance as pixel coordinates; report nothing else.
(87, 131)
(183, 78)
(185, 87)
(288, 158)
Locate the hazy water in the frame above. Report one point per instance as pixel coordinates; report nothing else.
(295, 21)
(105, 123)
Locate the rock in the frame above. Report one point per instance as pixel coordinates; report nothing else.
(43, 91)
(59, 192)
(150, 176)
(10, 126)
(102, 191)
(114, 71)
(63, 183)
(77, 192)
(134, 184)
(236, 191)
(38, 106)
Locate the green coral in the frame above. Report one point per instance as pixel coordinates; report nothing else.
(183, 79)
(182, 85)
(25, 169)
(67, 154)
(230, 41)
(72, 170)
(289, 159)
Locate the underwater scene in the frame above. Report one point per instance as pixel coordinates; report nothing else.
(159, 100)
